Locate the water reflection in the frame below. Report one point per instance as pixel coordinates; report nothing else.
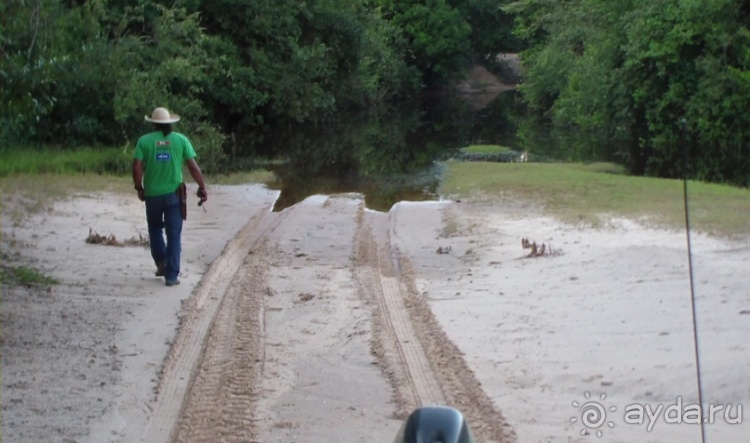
(380, 192)
(388, 155)
(498, 122)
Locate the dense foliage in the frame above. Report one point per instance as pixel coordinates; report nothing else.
(242, 72)
(653, 84)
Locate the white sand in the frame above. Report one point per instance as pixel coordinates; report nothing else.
(611, 314)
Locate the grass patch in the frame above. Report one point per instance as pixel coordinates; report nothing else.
(487, 149)
(24, 276)
(582, 193)
(66, 161)
(109, 162)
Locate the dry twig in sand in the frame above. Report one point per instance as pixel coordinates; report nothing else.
(111, 240)
(537, 250)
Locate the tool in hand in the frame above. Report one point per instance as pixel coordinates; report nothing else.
(202, 198)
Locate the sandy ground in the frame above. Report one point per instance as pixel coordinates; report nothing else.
(81, 361)
(330, 322)
(610, 314)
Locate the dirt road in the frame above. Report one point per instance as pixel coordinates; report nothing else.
(330, 322)
(317, 336)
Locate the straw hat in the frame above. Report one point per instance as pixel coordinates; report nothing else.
(162, 116)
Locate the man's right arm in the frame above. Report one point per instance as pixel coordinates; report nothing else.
(195, 172)
(138, 177)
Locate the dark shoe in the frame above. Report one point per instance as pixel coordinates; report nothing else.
(159, 270)
(174, 282)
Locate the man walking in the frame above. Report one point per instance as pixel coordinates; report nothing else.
(157, 174)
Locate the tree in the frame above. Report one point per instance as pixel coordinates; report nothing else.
(31, 58)
(624, 74)
(438, 37)
(691, 60)
(286, 63)
(491, 27)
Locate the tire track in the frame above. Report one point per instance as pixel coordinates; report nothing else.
(220, 404)
(218, 300)
(426, 387)
(461, 387)
(212, 378)
(383, 342)
(419, 359)
(320, 382)
(396, 343)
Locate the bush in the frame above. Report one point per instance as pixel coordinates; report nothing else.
(208, 142)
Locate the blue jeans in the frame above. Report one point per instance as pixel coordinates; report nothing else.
(163, 213)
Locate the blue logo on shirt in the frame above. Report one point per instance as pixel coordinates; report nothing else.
(163, 156)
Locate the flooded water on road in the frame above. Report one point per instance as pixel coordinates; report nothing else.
(393, 156)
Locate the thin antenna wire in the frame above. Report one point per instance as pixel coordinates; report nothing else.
(692, 280)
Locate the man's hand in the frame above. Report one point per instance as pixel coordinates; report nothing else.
(195, 172)
(202, 195)
(141, 196)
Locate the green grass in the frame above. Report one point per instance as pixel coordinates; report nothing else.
(22, 275)
(66, 161)
(110, 162)
(578, 193)
(486, 149)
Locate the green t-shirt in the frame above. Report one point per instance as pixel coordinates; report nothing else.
(162, 161)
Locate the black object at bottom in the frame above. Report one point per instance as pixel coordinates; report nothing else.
(435, 424)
